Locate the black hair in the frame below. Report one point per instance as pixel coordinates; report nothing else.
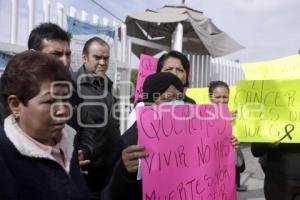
(88, 43)
(175, 54)
(157, 83)
(214, 84)
(48, 31)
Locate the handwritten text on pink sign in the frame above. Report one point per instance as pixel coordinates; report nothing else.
(147, 67)
(190, 152)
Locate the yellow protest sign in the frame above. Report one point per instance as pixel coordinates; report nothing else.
(268, 111)
(283, 68)
(200, 95)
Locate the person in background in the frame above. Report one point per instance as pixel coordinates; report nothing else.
(49, 38)
(37, 157)
(280, 163)
(100, 137)
(218, 94)
(177, 64)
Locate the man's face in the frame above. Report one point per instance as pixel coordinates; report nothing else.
(97, 59)
(58, 48)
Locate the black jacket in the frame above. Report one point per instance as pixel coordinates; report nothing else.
(123, 185)
(280, 163)
(32, 177)
(75, 101)
(99, 135)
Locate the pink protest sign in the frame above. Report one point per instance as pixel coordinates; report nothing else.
(190, 152)
(147, 67)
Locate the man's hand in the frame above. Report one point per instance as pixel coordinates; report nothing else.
(82, 162)
(131, 156)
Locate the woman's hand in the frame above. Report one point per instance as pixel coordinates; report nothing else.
(233, 115)
(131, 156)
(234, 142)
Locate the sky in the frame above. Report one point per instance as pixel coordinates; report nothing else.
(268, 29)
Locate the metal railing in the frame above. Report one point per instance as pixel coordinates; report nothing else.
(204, 69)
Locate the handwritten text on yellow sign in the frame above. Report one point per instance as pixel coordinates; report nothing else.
(268, 111)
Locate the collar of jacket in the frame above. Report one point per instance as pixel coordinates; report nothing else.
(88, 79)
(28, 148)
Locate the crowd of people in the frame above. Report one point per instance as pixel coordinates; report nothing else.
(59, 130)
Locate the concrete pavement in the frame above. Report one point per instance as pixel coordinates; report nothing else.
(252, 177)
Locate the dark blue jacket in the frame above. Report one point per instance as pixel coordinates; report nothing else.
(31, 178)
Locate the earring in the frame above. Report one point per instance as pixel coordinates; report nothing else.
(16, 115)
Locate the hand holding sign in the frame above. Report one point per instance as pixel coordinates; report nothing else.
(130, 157)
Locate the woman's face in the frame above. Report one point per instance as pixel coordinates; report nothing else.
(46, 114)
(174, 66)
(171, 94)
(220, 95)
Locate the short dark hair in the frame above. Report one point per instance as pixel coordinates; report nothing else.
(175, 54)
(214, 84)
(25, 73)
(88, 43)
(48, 31)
